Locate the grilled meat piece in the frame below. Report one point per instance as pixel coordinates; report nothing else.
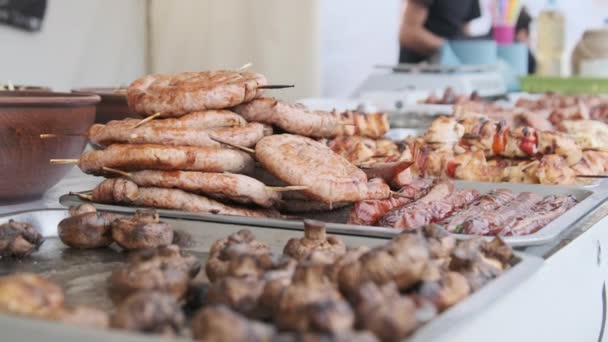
(30, 295)
(221, 252)
(123, 191)
(164, 269)
(370, 211)
(545, 211)
(220, 324)
(166, 158)
(86, 229)
(554, 170)
(315, 240)
(560, 144)
(227, 186)
(182, 93)
(485, 203)
(297, 119)
(143, 230)
(384, 312)
(247, 135)
(149, 312)
(402, 260)
(334, 180)
(18, 239)
(492, 223)
(358, 149)
(417, 215)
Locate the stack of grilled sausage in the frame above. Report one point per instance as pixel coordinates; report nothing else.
(210, 148)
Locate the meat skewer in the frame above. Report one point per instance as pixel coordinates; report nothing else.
(545, 211)
(368, 212)
(247, 135)
(123, 191)
(234, 187)
(331, 178)
(166, 158)
(420, 214)
(492, 223)
(182, 93)
(487, 202)
(297, 119)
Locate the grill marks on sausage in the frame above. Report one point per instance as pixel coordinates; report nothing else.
(167, 158)
(297, 119)
(223, 186)
(123, 191)
(298, 160)
(178, 94)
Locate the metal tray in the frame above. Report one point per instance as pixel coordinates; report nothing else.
(83, 275)
(589, 199)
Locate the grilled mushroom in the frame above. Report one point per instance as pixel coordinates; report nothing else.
(143, 230)
(87, 229)
(149, 312)
(220, 324)
(315, 240)
(18, 239)
(30, 295)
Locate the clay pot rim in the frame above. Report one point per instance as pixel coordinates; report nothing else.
(106, 93)
(23, 98)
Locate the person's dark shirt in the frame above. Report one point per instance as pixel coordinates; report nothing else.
(446, 18)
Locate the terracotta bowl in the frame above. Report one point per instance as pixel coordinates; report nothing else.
(113, 105)
(25, 171)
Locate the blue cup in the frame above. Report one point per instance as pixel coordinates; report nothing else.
(516, 55)
(475, 52)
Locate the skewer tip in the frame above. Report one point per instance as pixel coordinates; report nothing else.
(64, 161)
(242, 148)
(287, 188)
(118, 172)
(277, 86)
(149, 118)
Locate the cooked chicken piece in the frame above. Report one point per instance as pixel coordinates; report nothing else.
(143, 230)
(219, 257)
(386, 313)
(220, 324)
(164, 269)
(335, 179)
(554, 170)
(82, 316)
(76, 210)
(444, 131)
(589, 134)
(537, 120)
(86, 229)
(149, 312)
(311, 294)
(403, 261)
(560, 144)
(315, 239)
(182, 93)
(358, 149)
(18, 239)
(449, 289)
(30, 295)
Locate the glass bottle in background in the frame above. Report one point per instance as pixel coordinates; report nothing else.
(550, 40)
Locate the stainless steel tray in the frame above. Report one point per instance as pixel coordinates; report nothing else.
(589, 199)
(83, 275)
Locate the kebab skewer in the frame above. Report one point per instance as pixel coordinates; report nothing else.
(166, 158)
(221, 186)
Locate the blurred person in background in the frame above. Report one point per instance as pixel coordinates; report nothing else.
(522, 35)
(427, 24)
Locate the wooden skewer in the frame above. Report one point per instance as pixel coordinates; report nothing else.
(64, 161)
(118, 172)
(277, 86)
(592, 176)
(287, 188)
(149, 118)
(242, 148)
(55, 135)
(83, 196)
(245, 66)
(530, 165)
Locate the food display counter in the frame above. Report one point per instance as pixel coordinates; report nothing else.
(244, 216)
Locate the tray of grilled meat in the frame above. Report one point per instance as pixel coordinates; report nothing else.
(108, 276)
(522, 214)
